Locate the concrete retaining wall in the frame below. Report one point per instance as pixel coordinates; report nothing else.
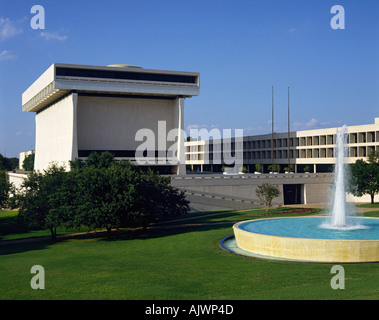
(315, 187)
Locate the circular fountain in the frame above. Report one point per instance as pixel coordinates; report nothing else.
(305, 239)
(340, 237)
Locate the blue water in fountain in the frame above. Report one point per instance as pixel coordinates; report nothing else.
(312, 228)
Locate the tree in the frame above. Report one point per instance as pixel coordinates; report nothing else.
(100, 160)
(290, 168)
(274, 168)
(100, 193)
(95, 159)
(5, 187)
(28, 163)
(242, 169)
(266, 193)
(2, 167)
(364, 176)
(104, 195)
(44, 199)
(8, 164)
(114, 194)
(156, 199)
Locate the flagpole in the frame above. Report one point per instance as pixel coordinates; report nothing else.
(272, 130)
(288, 142)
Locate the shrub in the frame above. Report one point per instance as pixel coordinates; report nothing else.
(266, 193)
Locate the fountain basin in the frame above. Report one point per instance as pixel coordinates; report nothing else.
(302, 239)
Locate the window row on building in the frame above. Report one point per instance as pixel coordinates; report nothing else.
(310, 147)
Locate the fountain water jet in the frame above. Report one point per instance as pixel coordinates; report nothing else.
(340, 213)
(338, 217)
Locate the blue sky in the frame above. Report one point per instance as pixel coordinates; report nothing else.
(241, 49)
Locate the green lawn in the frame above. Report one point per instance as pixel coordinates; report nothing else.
(181, 263)
(369, 205)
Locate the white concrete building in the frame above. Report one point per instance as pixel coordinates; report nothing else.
(312, 148)
(81, 108)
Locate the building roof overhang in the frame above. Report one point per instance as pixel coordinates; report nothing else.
(59, 79)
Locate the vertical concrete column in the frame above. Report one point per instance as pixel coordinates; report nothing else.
(56, 133)
(179, 119)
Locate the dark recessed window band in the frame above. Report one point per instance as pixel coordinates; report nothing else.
(125, 75)
(126, 96)
(126, 153)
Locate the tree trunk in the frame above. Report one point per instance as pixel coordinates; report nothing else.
(144, 225)
(372, 197)
(53, 232)
(109, 233)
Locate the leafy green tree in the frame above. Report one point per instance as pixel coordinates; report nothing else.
(95, 159)
(100, 193)
(8, 164)
(243, 169)
(364, 176)
(100, 160)
(1, 162)
(5, 187)
(307, 168)
(258, 167)
(156, 199)
(266, 193)
(104, 195)
(274, 168)
(28, 163)
(44, 199)
(290, 168)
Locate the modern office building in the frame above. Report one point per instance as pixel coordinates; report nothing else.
(312, 150)
(81, 108)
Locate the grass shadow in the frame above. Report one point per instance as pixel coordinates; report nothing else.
(159, 232)
(205, 222)
(13, 247)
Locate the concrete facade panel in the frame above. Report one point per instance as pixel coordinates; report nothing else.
(106, 123)
(56, 133)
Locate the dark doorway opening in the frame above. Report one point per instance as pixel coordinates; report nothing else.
(292, 193)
